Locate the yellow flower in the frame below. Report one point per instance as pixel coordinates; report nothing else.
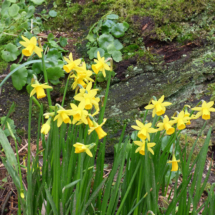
(79, 148)
(47, 115)
(22, 195)
(98, 128)
(174, 163)
(72, 65)
(87, 95)
(141, 148)
(82, 77)
(205, 110)
(79, 113)
(63, 116)
(158, 106)
(46, 127)
(144, 130)
(39, 90)
(181, 120)
(167, 125)
(100, 65)
(31, 47)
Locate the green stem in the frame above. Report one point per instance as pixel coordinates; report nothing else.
(64, 95)
(36, 102)
(29, 179)
(46, 80)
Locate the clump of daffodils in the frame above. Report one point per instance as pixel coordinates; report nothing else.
(166, 124)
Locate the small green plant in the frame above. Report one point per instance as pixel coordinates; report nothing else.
(103, 37)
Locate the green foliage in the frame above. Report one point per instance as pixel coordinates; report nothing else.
(10, 52)
(103, 33)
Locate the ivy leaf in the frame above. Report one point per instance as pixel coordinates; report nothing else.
(117, 56)
(54, 73)
(13, 10)
(52, 13)
(112, 16)
(63, 41)
(100, 50)
(38, 2)
(91, 52)
(105, 40)
(10, 52)
(118, 30)
(19, 78)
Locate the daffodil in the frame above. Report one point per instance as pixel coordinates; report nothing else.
(167, 125)
(174, 163)
(81, 77)
(98, 128)
(141, 148)
(63, 116)
(79, 148)
(79, 113)
(181, 120)
(159, 107)
(46, 127)
(100, 65)
(144, 130)
(31, 47)
(72, 64)
(205, 110)
(39, 89)
(47, 115)
(88, 96)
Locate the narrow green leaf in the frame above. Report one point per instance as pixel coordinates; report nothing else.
(70, 185)
(49, 197)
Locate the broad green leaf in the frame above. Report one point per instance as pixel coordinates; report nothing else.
(31, 10)
(125, 25)
(105, 40)
(38, 2)
(100, 77)
(19, 78)
(111, 48)
(52, 13)
(54, 73)
(53, 55)
(7, 149)
(91, 37)
(91, 52)
(50, 37)
(118, 45)
(109, 23)
(13, 10)
(105, 30)
(12, 1)
(10, 52)
(100, 50)
(55, 82)
(6, 4)
(37, 68)
(112, 16)
(63, 41)
(118, 30)
(117, 56)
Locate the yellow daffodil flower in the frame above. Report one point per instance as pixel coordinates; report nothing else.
(100, 65)
(79, 113)
(141, 148)
(187, 114)
(144, 130)
(82, 77)
(31, 47)
(167, 125)
(181, 120)
(22, 195)
(205, 110)
(158, 106)
(98, 128)
(46, 127)
(87, 95)
(39, 90)
(63, 116)
(79, 148)
(174, 163)
(47, 115)
(72, 64)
